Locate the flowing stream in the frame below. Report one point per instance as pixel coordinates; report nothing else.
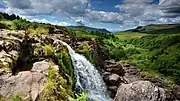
(88, 77)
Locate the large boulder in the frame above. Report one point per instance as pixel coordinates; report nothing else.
(141, 91)
(27, 84)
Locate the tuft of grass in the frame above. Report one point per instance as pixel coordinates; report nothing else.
(82, 97)
(37, 31)
(16, 98)
(48, 50)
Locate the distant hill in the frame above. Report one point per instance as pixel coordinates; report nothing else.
(158, 29)
(89, 29)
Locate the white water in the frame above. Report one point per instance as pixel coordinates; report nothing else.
(88, 78)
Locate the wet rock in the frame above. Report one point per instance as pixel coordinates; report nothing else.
(114, 79)
(106, 76)
(113, 90)
(141, 91)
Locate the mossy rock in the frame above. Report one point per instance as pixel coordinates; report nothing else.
(84, 50)
(64, 61)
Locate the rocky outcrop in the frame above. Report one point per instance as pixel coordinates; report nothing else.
(22, 75)
(113, 75)
(132, 73)
(28, 84)
(114, 67)
(141, 91)
(9, 49)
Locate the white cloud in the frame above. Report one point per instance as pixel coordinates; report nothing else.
(144, 12)
(51, 22)
(106, 17)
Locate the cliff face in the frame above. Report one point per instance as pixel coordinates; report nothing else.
(35, 67)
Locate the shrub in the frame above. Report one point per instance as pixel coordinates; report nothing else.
(111, 49)
(117, 53)
(1, 17)
(21, 24)
(131, 51)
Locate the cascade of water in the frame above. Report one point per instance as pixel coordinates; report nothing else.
(88, 77)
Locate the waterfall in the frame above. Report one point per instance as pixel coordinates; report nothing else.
(88, 77)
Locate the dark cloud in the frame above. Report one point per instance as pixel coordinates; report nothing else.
(20, 4)
(170, 6)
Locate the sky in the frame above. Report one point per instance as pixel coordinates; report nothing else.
(114, 15)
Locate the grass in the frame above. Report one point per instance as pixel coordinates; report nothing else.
(37, 31)
(82, 97)
(158, 27)
(48, 50)
(129, 35)
(57, 88)
(12, 98)
(83, 35)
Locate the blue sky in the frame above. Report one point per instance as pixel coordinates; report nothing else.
(105, 5)
(114, 15)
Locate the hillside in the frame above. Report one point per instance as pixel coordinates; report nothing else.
(158, 29)
(89, 29)
(153, 52)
